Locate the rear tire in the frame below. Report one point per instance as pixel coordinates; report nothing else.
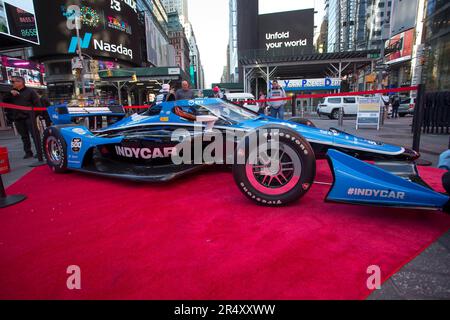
(276, 183)
(335, 114)
(55, 150)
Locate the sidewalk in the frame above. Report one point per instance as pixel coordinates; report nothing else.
(394, 131)
(19, 166)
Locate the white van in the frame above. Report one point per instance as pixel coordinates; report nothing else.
(244, 99)
(331, 105)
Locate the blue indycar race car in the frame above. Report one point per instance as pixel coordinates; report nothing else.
(149, 146)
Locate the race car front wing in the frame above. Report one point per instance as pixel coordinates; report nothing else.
(390, 184)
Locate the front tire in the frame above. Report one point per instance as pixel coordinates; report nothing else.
(276, 179)
(55, 150)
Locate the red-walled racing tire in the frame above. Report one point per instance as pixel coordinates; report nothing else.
(279, 182)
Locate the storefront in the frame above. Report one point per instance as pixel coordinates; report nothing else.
(33, 73)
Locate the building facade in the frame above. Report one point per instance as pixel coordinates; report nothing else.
(346, 25)
(232, 50)
(378, 22)
(180, 6)
(194, 55)
(437, 44)
(179, 41)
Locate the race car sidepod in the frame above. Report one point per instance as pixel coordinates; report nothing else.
(394, 184)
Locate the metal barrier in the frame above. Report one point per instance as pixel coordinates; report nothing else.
(436, 113)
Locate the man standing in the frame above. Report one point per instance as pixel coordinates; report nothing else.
(165, 94)
(277, 107)
(217, 93)
(185, 93)
(395, 106)
(22, 96)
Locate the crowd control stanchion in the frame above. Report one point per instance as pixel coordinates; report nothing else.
(417, 124)
(5, 200)
(37, 140)
(341, 117)
(294, 106)
(383, 115)
(418, 117)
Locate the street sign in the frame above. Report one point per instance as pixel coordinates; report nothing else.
(381, 67)
(369, 112)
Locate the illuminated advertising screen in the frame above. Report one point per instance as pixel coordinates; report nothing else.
(18, 20)
(29, 70)
(286, 31)
(403, 47)
(107, 28)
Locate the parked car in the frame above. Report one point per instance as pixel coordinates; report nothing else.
(407, 106)
(244, 99)
(331, 105)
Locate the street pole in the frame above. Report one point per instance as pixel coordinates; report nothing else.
(418, 117)
(80, 55)
(380, 81)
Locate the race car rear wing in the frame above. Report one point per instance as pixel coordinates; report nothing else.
(64, 114)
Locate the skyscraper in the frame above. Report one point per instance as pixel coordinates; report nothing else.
(180, 6)
(346, 24)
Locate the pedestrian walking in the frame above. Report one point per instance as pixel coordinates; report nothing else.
(185, 93)
(22, 96)
(262, 104)
(395, 106)
(277, 107)
(165, 94)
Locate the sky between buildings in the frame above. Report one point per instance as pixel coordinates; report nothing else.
(209, 19)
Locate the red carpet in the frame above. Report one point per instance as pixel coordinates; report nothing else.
(198, 238)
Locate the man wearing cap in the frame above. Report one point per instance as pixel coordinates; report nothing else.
(217, 93)
(165, 94)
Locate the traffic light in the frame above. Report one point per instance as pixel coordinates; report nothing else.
(134, 78)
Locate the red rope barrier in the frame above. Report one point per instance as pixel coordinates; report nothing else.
(300, 96)
(359, 93)
(16, 107)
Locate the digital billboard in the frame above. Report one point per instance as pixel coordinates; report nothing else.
(403, 17)
(108, 28)
(403, 47)
(158, 48)
(18, 20)
(29, 70)
(286, 31)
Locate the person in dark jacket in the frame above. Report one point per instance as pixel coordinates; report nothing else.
(395, 106)
(22, 96)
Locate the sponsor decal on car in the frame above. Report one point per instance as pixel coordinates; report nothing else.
(145, 153)
(385, 194)
(76, 144)
(79, 131)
